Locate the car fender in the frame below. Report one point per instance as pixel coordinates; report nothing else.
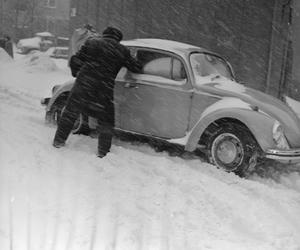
(259, 123)
(66, 87)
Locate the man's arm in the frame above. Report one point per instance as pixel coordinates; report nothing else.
(132, 64)
(82, 53)
(75, 65)
(77, 60)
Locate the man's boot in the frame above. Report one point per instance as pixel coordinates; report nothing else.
(104, 140)
(57, 144)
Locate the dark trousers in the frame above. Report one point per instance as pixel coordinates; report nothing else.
(67, 121)
(105, 134)
(65, 124)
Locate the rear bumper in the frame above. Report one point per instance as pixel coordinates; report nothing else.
(284, 156)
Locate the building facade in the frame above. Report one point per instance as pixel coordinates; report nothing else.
(55, 17)
(24, 18)
(251, 34)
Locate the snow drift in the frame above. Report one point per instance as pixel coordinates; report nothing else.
(41, 61)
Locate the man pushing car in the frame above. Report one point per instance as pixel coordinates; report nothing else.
(95, 67)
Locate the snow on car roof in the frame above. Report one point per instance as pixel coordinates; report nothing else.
(164, 44)
(44, 34)
(33, 42)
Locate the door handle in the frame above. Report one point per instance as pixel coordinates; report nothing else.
(130, 85)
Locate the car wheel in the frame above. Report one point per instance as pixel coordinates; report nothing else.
(232, 148)
(81, 125)
(53, 116)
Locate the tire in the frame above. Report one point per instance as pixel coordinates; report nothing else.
(53, 116)
(232, 148)
(81, 125)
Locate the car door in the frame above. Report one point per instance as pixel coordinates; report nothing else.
(157, 101)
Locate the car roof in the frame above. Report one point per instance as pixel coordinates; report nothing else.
(168, 45)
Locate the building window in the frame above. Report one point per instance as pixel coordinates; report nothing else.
(50, 3)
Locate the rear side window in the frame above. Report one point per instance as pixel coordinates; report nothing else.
(160, 64)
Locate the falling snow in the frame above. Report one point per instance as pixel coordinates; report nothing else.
(135, 198)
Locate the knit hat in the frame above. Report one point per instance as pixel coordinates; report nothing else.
(112, 32)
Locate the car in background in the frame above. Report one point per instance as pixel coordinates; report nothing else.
(24, 46)
(58, 52)
(188, 95)
(41, 42)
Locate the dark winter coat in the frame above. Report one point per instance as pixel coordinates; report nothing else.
(96, 66)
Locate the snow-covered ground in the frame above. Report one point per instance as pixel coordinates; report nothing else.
(135, 198)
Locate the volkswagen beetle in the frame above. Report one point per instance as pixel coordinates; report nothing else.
(188, 95)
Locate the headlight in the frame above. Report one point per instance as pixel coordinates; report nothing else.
(279, 137)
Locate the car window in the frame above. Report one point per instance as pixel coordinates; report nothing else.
(162, 65)
(159, 67)
(206, 65)
(178, 71)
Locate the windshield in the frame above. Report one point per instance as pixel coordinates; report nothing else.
(204, 65)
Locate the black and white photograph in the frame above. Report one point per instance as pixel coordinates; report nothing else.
(150, 125)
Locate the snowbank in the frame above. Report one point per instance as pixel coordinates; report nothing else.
(41, 62)
(36, 80)
(134, 198)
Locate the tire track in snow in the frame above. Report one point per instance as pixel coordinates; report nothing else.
(18, 99)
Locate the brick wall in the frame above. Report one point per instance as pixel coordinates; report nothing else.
(240, 30)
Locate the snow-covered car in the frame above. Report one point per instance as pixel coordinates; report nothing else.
(24, 46)
(188, 95)
(42, 41)
(58, 52)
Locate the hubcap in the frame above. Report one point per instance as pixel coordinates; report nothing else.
(227, 151)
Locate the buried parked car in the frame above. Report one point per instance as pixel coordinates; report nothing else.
(58, 52)
(41, 42)
(187, 95)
